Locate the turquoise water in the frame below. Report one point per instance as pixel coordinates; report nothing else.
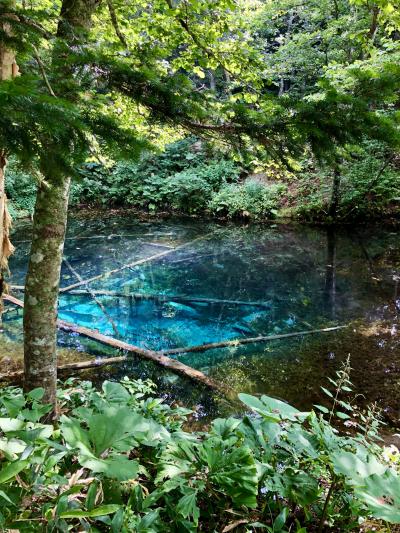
(305, 278)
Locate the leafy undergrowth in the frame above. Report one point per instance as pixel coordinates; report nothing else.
(120, 460)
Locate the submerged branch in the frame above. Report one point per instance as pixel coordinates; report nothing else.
(89, 291)
(156, 357)
(159, 357)
(134, 263)
(161, 298)
(246, 340)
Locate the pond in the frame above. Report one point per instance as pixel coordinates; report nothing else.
(206, 282)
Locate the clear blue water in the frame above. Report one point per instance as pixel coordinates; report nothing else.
(307, 278)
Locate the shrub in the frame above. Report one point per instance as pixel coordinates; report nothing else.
(191, 190)
(119, 460)
(179, 178)
(252, 200)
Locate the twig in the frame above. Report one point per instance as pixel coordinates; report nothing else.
(42, 70)
(247, 340)
(134, 263)
(114, 21)
(92, 294)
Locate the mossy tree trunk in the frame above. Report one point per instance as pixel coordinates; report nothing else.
(42, 286)
(49, 225)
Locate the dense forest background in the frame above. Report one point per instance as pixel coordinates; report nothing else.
(297, 55)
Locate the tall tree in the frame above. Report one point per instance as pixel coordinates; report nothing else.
(8, 70)
(49, 225)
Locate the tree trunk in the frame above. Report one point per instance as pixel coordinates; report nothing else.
(42, 286)
(335, 195)
(49, 225)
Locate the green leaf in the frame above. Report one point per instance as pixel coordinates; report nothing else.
(299, 487)
(346, 405)
(280, 520)
(4, 495)
(36, 394)
(381, 494)
(11, 470)
(356, 468)
(322, 408)
(14, 405)
(327, 392)
(11, 424)
(187, 506)
(272, 409)
(115, 392)
(117, 467)
(94, 513)
(341, 415)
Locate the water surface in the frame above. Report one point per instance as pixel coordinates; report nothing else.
(305, 278)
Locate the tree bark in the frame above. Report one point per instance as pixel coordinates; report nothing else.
(42, 286)
(49, 225)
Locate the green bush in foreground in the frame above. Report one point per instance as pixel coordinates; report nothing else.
(119, 460)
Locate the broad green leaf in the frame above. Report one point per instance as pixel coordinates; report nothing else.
(11, 470)
(116, 467)
(381, 494)
(356, 468)
(11, 424)
(36, 394)
(187, 506)
(115, 392)
(280, 520)
(12, 447)
(272, 409)
(98, 511)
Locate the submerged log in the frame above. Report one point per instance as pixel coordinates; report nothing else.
(162, 360)
(159, 357)
(162, 298)
(134, 263)
(246, 340)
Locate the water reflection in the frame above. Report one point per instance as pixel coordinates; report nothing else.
(306, 278)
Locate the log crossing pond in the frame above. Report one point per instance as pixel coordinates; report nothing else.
(171, 285)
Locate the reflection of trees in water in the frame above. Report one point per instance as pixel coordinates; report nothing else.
(330, 273)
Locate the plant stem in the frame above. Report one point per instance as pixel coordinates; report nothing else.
(325, 509)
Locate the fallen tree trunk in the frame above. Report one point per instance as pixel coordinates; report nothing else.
(159, 357)
(134, 263)
(162, 360)
(160, 297)
(246, 340)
